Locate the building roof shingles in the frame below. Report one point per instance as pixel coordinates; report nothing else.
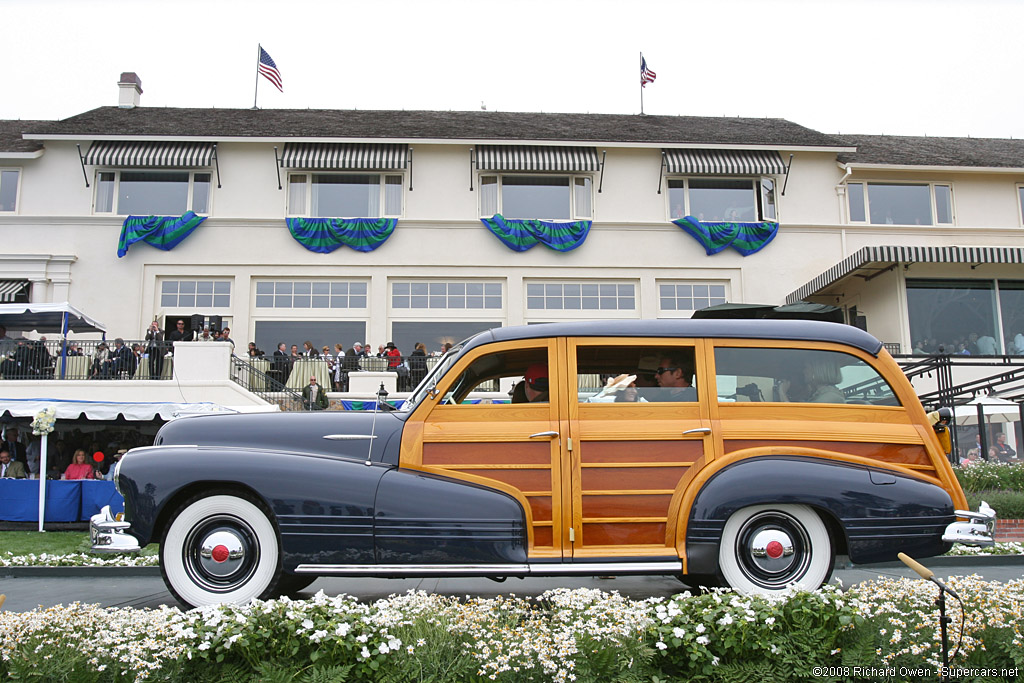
(899, 150)
(11, 132)
(453, 125)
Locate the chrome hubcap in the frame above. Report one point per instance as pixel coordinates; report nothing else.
(221, 553)
(771, 550)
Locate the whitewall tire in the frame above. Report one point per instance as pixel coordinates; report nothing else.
(767, 548)
(220, 548)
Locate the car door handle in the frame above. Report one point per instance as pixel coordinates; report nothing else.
(544, 435)
(698, 430)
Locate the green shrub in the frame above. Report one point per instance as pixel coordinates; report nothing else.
(1007, 504)
(985, 476)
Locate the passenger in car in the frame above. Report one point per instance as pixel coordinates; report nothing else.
(820, 376)
(673, 375)
(534, 387)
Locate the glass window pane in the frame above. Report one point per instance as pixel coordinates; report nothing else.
(437, 288)
(534, 289)
(204, 300)
(297, 195)
(303, 287)
(1020, 193)
(476, 288)
(584, 198)
(855, 197)
(438, 301)
(357, 302)
(283, 301)
(400, 301)
(492, 288)
(393, 195)
(900, 204)
(722, 200)
(419, 287)
(105, 193)
(456, 288)
(488, 195)
(477, 301)
(346, 196)
(187, 286)
(943, 204)
(264, 288)
(419, 301)
(264, 301)
(321, 301)
(169, 287)
(221, 301)
(300, 301)
(951, 316)
(284, 287)
(321, 287)
(153, 193)
(754, 375)
(400, 288)
(767, 199)
(1011, 307)
(492, 302)
(201, 192)
(676, 198)
(187, 300)
(222, 287)
(535, 302)
(168, 300)
(545, 197)
(204, 287)
(8, 190)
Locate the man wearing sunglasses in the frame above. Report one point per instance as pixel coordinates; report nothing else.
(673, 376)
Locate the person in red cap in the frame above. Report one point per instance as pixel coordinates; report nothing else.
(534, 386)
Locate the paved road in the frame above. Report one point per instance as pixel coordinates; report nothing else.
(27, 592)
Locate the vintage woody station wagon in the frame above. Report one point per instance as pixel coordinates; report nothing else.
(749, 453)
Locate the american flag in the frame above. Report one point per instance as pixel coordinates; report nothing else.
(646, 75)
(269, 69)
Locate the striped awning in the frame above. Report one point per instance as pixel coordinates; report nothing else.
(533, 158)
(724, 161)
(874, 259)
(150, 154)
(345, 156)
(12, 290)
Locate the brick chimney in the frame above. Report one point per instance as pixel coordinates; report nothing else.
(129, 90)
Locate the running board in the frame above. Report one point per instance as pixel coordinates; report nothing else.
(539, 569)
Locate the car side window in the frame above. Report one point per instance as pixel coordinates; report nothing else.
(516, 376)
(752, 375)
(627, 374)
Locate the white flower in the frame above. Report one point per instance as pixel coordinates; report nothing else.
(726, 620)
(661, 645)
(701, 628)
(678, 632)
(365, 653)
(702, 640)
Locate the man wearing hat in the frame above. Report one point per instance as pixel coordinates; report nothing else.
(109, 476)
(314, 397)
(534, 387)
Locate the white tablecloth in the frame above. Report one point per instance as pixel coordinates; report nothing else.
(310, 367)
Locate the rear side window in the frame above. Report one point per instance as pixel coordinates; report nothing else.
(751, 375)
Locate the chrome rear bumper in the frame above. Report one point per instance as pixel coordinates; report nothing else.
(108, 535)
(979, 529)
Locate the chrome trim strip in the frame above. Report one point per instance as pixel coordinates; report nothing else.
(349, 437)
(541, 569)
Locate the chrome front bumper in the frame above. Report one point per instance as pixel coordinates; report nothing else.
(108, 534)
(979, 529)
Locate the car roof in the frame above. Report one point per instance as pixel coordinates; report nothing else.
(790, 330)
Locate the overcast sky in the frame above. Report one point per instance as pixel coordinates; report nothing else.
(899, 67)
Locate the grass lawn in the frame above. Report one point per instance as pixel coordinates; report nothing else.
(50, 542)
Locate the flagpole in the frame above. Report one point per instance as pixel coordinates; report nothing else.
(259, 47)
(641, 86)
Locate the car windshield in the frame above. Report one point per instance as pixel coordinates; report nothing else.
(430, 380)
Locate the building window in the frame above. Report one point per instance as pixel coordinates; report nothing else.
(900, 203)
(581, 296)
(1020, 202)
(335, 195)
(714, 199)
(446, 295)
(152, 193)
(539, 197)
(195, 294)
(9, 189)
(311, 294)
(961, 317)
(689, 296)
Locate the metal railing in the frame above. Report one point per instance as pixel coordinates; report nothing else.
(57, 359)
(268, 385)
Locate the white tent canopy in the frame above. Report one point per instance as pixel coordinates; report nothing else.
(51, 318)
(106, 410)
(994, 410)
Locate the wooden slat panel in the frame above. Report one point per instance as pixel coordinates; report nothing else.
(626, 534)
(534, 480)
(540, 506)
(641, 451)
(884, 452)
(625, 506)
(532, 453)
(639, 478)
(542, 537)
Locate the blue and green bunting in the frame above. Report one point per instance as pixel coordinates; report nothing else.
(746, 238)
(324, 235)
(520, 235)
(163, 232)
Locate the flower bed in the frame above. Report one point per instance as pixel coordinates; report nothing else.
(564, 635)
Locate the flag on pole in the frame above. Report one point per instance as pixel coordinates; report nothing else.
(269, 69)
(646, 75)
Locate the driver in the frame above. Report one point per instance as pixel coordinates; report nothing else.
(534, 387)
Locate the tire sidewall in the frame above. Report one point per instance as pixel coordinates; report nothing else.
(819, 543)
(195, 512)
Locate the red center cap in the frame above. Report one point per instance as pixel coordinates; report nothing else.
(220, 553)
(774, 550)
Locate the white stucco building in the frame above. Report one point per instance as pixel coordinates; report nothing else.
(918, 238)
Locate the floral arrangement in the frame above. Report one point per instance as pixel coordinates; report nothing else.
(562, 635)
(43, 422)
